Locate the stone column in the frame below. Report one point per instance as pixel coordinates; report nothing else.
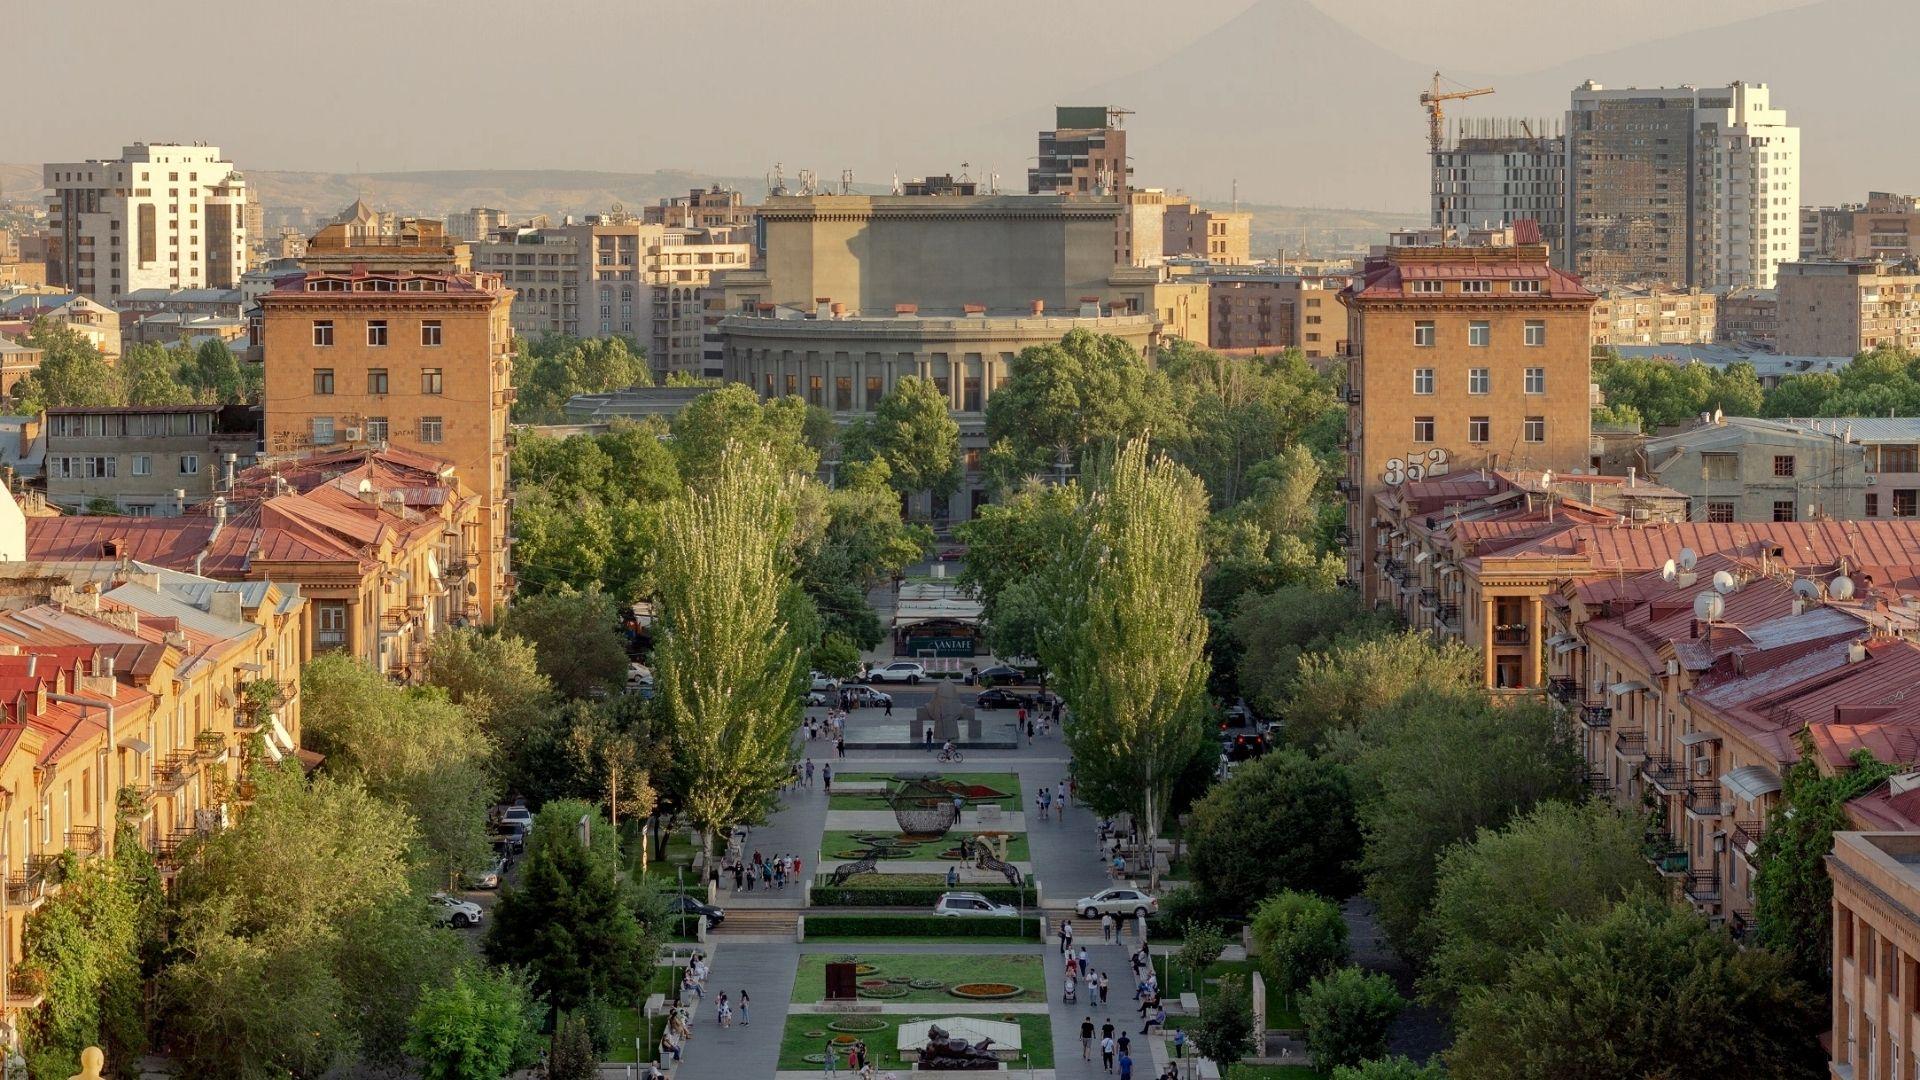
(355, 636)
(1486, 638)
(1533, 669)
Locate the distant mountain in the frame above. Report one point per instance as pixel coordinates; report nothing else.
(1274, 97)
(520, 192)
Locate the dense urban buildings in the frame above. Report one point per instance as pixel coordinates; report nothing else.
(146, 461)
(1741, 468)
(1222, 237)
(1844, 308)
(1886, 226)
(1497, 172)
(712, 208)
(161, 215)
(1457, 358)
(1685, 186)
(416, 359)
(1653, 315)
(476, 223)
(1085, 153)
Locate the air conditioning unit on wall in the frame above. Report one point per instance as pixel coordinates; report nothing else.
(353, 434)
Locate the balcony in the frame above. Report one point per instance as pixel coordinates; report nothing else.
(1747, 835)
(1448, 615)
(1429, 598)
(174, 769)
(208, 745)
(25, 988)
(1703, 887)
(1343, 537)
(1600, 784)
(1596, 717)
(85, 842)
(1630, 743)
(1563, 689)
(1704, 799)
(1345, 486)
(1663, 772)
(1351, 394)
(1665, 853)
(1510, 634)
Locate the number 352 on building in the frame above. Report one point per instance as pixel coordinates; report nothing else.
(1419, 465)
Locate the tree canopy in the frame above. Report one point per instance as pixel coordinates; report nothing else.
(1060, 400)
(1281, 821)
(913, 431)
(554, 367)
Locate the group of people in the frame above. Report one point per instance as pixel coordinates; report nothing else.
(803, 774)
(1047, 799)
(1116, 1049)
(1077, 973)
(832, 727)
(859, 1060)
(771, 873)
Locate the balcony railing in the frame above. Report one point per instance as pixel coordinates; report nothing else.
(209, 744)
(1429, 598)
(1510, 634)
(174, 769)
(1597, 717)
(1345, 486)
(1704, 798)
(84, 841)
(1352, 394)
(1630, 742)
(1563, 689)
(1703, 887)
(1748, 834)
(1599, 783)
(1665, 853)
(1661, 771)
(1448, 615)
(1343, 537)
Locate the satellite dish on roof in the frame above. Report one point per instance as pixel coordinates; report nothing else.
(1807, 588)
(366, 486)
(1669, 572)
(1841, 589)
(1709, 606)
(1688, 558)
(1724, 582)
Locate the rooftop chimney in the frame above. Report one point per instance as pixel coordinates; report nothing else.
(219, 516)
(179, 501)
(823, 307)
(1039, 307)
(906, 310)
(1089, 307)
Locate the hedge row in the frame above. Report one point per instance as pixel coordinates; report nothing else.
(920, 926)
(912, 895)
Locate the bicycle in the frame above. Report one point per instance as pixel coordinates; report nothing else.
(949, 755)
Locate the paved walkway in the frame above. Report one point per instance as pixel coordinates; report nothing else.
(765, 971)
(1121, 1009)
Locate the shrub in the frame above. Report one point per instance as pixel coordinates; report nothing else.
(1183, 905)
(1299, 937)
(825, 895)
(1348, 1014)
(1389, 1068)
(1225, 1031)
(919, 926)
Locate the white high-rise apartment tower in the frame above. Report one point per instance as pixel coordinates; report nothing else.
(1687, 186)
(162, 216)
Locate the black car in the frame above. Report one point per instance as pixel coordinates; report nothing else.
(687, 905)
(1247, 746)
(1002, 675)
(1001, 698)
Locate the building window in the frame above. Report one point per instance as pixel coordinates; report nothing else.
(1423, 380)
(814, 393)
(1873, 504)
(377, 332)
(1479, 333)
(1479, 380)
(189, 464)
(1536, 332)
(430, 332)
(1719, 466)
(377, 380)
(1905, 502)
(843, 392)
(875, 391)
(970, 393)
(1536, 429)
(1892, 459)
(1423, 429)
(432, 429)
(430, 380)
(323, 380)
(1524, 286)
(1423, 333)
(143, 464)
(1479, 429)
(1536, 380)
(323, 332)
(1720, 512)
(330, 623)
(1426, 286)
(322, 430)
(376, 429)
(1783, 466)
(1783, 510)
(1476, 286)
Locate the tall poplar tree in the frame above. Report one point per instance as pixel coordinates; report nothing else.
(1132, 662)
(727, 664)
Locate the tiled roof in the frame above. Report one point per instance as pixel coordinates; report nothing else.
(1384, 279)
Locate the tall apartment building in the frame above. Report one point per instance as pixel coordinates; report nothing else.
(1654, 315)
(1460, 357)
(1886, 226)
(1495, 172)
(1845, 308)
(417, 358)
(715, 207)
(161, 215)
(1218, 236)
(1085, 153)
(1684, 186)
(475, 223)
(612, 276)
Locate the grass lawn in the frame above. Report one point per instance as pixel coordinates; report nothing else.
(1281, 1015)
(998, 781)
(847, 845)
(679, 857)
(1036, 1039)
(1020, 969)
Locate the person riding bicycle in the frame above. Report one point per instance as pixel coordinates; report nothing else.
(947, 748)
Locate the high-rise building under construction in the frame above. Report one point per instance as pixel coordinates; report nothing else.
(1493, 172)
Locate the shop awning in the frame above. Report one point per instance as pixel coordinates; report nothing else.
(1567, 646)
(1751, 781)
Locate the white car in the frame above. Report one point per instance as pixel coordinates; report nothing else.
(969, 903)
(488, 876)
(864, 697)
(517, 817)
(638, 678)
(903, 671)
(823, 681)
(455, 912)
(1121, 901)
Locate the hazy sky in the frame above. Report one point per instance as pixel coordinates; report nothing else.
(730, 87)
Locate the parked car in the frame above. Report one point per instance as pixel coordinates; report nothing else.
(866, 697)
(454, 911)
(952, 554)
(488, 876)
(822, 681)
(687, 905)
(1002, 675)
(517, 814)
(905, 671)
(1119, 900)
(1236, 715)
(969, 903)
(638, 677)
(1000, 698)
(1247, 745)
(511, 839)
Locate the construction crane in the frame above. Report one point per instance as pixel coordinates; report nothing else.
(1431, 99)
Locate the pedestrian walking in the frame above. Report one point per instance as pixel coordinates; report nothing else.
(832, 1053)
(1060, 796)
(809, 771)
(1040, 805)
(826, 778)
(888, 702)
(1179, 1042)
(1106, 928)
(1126, 1067)
(1086, 1039)
(766, 875)
(744, 1003)
(1083, 958)
(953, 877)
(1066, 937)
(1028, 724)
(1106, 1053)
(720, 1011)
(796, 870)
(1103, 988)
(840, 745)
(1122, 1043)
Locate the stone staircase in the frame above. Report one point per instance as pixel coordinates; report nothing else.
(757, 924)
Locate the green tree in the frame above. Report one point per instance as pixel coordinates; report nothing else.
(1500, 893)
(1241, 412)
(71, 372)
(1058, 401)
(1225, 1032)
(1792, 894)
(555, 367)
(708, 427)
(1348, 1014)
(913, 431)
(1132, 657)
(496, 678)
(615, 755)
(213, 998)
(1282, 821)
(1803, 395)
(215, 374)
(572, 1056)
(1649, 989)
(576, 639)
(568, 921)
(726, 659)
(484, 1026)
(1395, 1067)
(1203, 945)
(1275, 629)
(82, 948)
(151, 375)
(1351, 683)
(1021, 536)
(1665, 393)
(1440, 767)
(1299, 938)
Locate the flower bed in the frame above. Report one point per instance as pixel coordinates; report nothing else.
(984, 991)
(854, 1025)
